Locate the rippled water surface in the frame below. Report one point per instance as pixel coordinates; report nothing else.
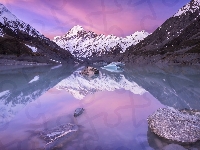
(116, 103)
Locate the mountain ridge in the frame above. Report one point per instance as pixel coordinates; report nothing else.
(21, 42)
(88, 44)
(176, 41)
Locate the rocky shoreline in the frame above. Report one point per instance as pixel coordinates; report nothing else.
(169, 59)
(7, 64)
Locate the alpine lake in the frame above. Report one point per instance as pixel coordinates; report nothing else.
(117, 103)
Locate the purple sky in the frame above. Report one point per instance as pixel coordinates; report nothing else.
(118, 17)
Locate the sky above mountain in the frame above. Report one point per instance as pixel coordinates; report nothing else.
(118, 17)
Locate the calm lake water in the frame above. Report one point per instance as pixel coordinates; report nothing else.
(116, 105)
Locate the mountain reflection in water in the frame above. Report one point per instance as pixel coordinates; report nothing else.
(116, 105)
(18, 87)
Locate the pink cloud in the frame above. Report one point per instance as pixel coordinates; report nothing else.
(108, 17)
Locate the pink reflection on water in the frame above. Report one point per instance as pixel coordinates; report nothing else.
(110, 120)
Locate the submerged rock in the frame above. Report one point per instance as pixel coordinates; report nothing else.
(56, 133)
(89, 71)
(176, 125)
(78, 112)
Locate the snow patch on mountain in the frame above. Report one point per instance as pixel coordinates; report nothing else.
(85, 44)
(189, 7)
(1, 33)
(34, 49)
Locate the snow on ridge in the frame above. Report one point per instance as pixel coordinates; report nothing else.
(4, 12)
(56, 37)
(1, 32)
(75, 30)
(11, 21)
(192, 6)
(34, 49)
(84, 44)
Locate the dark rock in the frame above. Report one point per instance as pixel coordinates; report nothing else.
(78, 112)
(90, 71)
(96, 71)
(176, 125)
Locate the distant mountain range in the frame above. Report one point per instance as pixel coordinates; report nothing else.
(20, 41)
(86, 44)
(176, 41)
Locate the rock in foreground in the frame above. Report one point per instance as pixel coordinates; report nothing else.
(176, 125)
(78, 112)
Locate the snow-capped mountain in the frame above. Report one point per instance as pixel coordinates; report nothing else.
(177, 40)
(11, 21)
(85, 44)
(20, 39)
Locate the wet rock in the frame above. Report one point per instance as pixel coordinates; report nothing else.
(90, 71)
(176, 125)
(78, 112)
(52, 135)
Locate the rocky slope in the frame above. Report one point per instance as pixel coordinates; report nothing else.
(177, 40)
(86, 44)
(21, 42)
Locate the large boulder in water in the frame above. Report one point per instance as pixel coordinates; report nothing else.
(90, 71)
(176, 125)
